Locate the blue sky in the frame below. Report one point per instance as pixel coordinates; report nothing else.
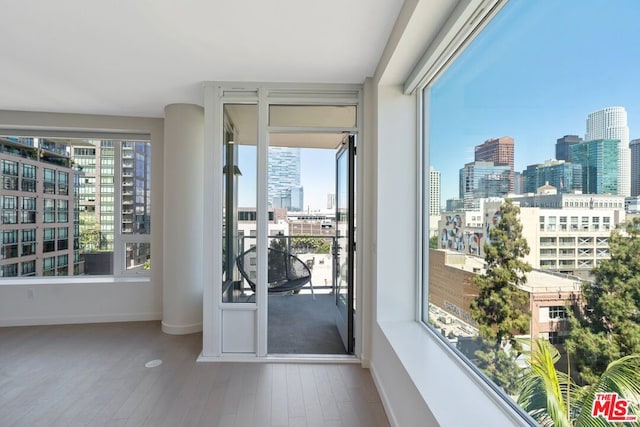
(535, 73)
(317, 176)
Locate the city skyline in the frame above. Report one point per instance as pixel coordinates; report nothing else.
(516, 86)
(317, 176)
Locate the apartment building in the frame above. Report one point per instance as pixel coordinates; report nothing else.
(99, 176)
(568, 233)
(39, 214)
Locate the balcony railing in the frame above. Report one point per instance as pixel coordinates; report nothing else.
(322, 261)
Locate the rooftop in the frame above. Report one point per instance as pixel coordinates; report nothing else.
(537, 281)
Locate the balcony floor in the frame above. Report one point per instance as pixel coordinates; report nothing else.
(95, 375)
(300, 325)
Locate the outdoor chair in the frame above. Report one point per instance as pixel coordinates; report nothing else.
(286, 272)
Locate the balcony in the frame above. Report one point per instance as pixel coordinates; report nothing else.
(566, 254)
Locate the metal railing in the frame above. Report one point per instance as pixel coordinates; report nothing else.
(321, 259)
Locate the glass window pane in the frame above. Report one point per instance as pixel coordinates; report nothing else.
(138, 256)
(239, 202)
(505, 106)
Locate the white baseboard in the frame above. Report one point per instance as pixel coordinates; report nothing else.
(366, 363)
(181, 329)
(383, 396)
(64, 320)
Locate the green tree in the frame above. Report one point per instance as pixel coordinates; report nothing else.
(311, 244)
(501, 307)
(606, 324)
(499, 364)
(433, 242)
(553, 399)
(279, 244)
(90, 236)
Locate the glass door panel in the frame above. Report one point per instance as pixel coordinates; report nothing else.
(239, 202)
(345, 245)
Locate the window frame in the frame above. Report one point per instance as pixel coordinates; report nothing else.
(121, 239)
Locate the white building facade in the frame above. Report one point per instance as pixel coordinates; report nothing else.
(567, 233)
(611, 123)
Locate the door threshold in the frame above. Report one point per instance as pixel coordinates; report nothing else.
(282, 358)
(312, 358)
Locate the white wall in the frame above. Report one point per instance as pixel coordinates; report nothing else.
(82, 300)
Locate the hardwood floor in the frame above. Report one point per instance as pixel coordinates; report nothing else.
(95, 375)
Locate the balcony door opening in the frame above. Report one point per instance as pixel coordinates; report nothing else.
(306, 238)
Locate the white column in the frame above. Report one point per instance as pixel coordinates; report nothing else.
(183, 218)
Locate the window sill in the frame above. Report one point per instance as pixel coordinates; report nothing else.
(73, 280)
(442, 378)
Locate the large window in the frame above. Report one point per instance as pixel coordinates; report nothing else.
(81, 202)
(505, 120)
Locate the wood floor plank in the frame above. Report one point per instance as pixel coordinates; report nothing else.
(95, 375)
(262, 409)
(279, 398)
(312, 407)
(295, 400)
(327, 399)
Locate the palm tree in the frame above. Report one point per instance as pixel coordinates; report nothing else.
(553, 399)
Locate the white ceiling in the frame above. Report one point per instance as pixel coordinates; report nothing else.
(133, 57)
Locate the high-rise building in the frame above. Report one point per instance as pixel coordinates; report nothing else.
(480, 180)
(563, 146)
(434, 191)
(39, 236)
(499, 151)
(599, 161)
(634, 147)
(565, 177)
(611, 123)
(284, 175)
(96, 189)
(297, 198)
(517, 182)
(291, 199)
(331, 200)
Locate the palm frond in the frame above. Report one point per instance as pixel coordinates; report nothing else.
(543, 388)
(622, 376)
